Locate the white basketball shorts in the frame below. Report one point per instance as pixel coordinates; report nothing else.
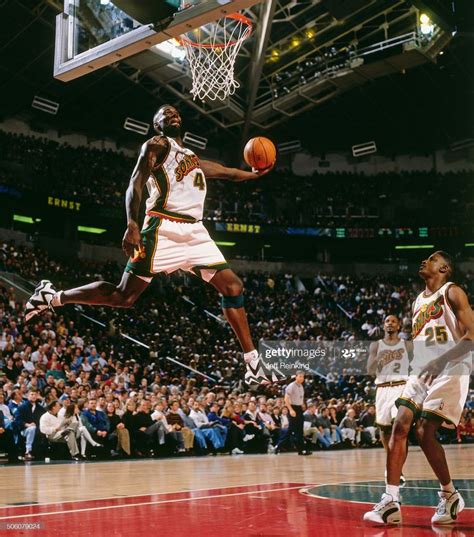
(169, 245)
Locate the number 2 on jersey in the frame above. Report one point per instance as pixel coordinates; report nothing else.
(437, 333)
(199, 181)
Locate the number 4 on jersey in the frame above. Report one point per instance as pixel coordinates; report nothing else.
(199, 181)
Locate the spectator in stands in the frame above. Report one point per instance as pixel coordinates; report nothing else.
(6, 440)
(255, 429)
(99, 424)
(5, 409)
(470, 402)
(367, 423)
(11, 370)
(149, 434)
(235, 429)
(465, 429)
(331, 431)
(73, 418)
(269, 423)
(177, 423)
(51, 426)
(215, 436)
(173, 434)
(334, 419)
(27, 418)
(119, 435)
(313, 428)
(16, 399)
(349, 428)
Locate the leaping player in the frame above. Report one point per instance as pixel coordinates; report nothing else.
(389, 360)
(172, 237)
(443, 334)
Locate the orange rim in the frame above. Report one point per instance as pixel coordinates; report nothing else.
(236, 16)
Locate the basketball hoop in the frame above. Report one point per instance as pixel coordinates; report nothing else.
(211, 52)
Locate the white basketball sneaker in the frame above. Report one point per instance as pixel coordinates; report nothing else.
(387, 511)
(449, 506)
(40, 300)
(259, 373)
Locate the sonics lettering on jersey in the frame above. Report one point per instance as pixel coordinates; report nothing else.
(433, 310)
(186, 165)
(389, 356)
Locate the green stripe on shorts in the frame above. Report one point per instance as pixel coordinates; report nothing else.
(196, 270)
(142, 265)
(409, 404)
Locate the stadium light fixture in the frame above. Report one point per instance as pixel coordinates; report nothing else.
(94, 230)
(469, 244)
(426, 24)
(224, 243)
(45, 105)
(414, 247)
(424, 19)
(134, 125)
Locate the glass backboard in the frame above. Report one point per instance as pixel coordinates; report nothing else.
(91, 34)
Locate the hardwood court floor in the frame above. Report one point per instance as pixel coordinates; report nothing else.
(245, 496)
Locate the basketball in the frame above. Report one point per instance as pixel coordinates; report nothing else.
(260, 153)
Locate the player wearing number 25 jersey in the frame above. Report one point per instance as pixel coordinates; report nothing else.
(435, 329)
(443, 336)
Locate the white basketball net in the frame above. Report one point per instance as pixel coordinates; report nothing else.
(211, 52)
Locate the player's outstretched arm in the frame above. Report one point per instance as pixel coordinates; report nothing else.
(152, 154)
(465, 316)
(214, 170)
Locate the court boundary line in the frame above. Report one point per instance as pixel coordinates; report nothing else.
(304, 491)
(118, 497)
(141, 504)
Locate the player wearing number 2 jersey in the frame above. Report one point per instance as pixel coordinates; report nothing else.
(443, 334)
(389, 360)
(172, 236)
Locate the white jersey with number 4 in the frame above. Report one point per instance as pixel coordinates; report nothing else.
(177, 188)
(392, 362)
(435, 328)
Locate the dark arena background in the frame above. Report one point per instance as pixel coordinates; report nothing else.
(370, 106)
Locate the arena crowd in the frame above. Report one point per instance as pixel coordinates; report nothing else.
(67, 380)
(39, 165)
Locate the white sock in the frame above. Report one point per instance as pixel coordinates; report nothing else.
(394, 491)
(448, 488)
(56, 300)
(251, 356)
